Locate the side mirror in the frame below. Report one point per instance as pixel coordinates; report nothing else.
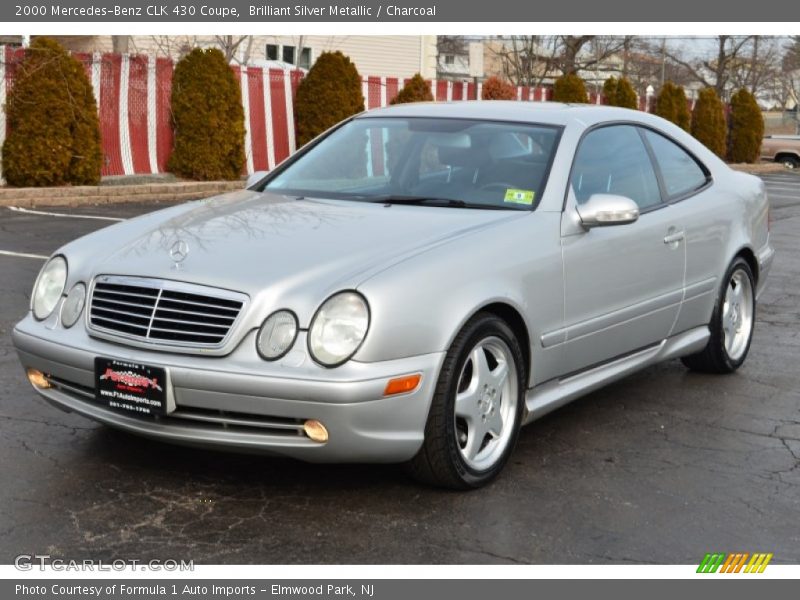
(602, 210)
(255, 178)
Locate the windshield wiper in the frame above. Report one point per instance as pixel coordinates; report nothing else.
(432, 200)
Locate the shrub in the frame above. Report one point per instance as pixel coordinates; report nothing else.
(708, 122)
(416, 90)
(495, 88)
(620, 92)
(208, 118)
(54, 133)
(610, 91)
(671, 105)
(570, 88)
(329, 93)
(746, 128)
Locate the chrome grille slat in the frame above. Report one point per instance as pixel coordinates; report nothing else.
(113, 303)
(189, 322)
(212, 306)
(115, 311)
(163, 312)
(107, 292)
(189, 312)
(154, 328)
(126, 323)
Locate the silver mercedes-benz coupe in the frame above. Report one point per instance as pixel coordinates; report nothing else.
(413, 286)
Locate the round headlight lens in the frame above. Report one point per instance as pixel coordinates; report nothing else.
(276, 335)
(338, 328)
(49, 287)
(73, 305)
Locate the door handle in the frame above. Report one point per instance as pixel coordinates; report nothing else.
(674, 238)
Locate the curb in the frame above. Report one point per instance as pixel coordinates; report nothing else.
(114, 194)
(762, 168)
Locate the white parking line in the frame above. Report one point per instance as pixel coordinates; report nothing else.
(54, 214)
(22, 255)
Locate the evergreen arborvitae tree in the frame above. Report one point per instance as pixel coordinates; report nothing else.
(415, 90)
(708, 122)
(208, 118)
(746, 128)
(328, 94)
(53, 129)
(671, 104)
(570, 88)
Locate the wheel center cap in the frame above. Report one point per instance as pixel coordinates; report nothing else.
(487, 403)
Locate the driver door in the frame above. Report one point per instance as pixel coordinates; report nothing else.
(624, 283)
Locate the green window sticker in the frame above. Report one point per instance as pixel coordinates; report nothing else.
(519, 196)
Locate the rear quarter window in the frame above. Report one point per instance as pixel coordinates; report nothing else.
(681, 173)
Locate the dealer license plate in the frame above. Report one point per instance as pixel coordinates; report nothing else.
(131, 388)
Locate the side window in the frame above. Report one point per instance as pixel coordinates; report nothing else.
(680, 171)
(614, 160)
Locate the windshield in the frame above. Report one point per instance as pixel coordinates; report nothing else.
(481, 164)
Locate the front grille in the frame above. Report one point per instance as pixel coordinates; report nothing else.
(198, 418)
(162, 311)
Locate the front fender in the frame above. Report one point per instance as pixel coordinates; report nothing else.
(419, 305)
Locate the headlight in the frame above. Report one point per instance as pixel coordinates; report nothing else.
(338, 328)
(276, 335)
(48, 287)
(73, 305)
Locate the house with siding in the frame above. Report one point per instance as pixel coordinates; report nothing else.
(382, 56)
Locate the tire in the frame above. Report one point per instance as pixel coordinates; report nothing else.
(790, 162)
(474, 420)
(731, 325)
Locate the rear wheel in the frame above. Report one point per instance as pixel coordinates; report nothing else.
(475, 415)
(731, 323)
(788, 161)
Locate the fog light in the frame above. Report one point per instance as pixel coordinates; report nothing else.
(37, 379)
(402, 385)
(315, 431)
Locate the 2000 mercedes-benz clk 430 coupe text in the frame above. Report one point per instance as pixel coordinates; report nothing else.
(412, 286)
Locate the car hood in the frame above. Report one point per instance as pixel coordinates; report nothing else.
(248, 241)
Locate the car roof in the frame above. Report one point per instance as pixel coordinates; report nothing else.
(549, 113)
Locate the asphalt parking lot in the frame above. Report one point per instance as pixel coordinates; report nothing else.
(659, 468)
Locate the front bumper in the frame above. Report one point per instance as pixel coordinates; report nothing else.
(243, 403)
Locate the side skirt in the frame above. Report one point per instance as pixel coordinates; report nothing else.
(553, 394)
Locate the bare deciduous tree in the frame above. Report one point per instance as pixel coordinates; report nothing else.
(715, 71)
(452, 44)
(231, 44)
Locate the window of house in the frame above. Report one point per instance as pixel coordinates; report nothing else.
(288, 54)
(449, 59)
(272, 52)
(305, 59)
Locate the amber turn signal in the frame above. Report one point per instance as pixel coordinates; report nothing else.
(37, 379)
(402, 385)
(315, 431)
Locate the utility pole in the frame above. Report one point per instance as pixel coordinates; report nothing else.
(663, 60)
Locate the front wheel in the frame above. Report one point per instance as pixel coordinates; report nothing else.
(731, 323)
(475, 414)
